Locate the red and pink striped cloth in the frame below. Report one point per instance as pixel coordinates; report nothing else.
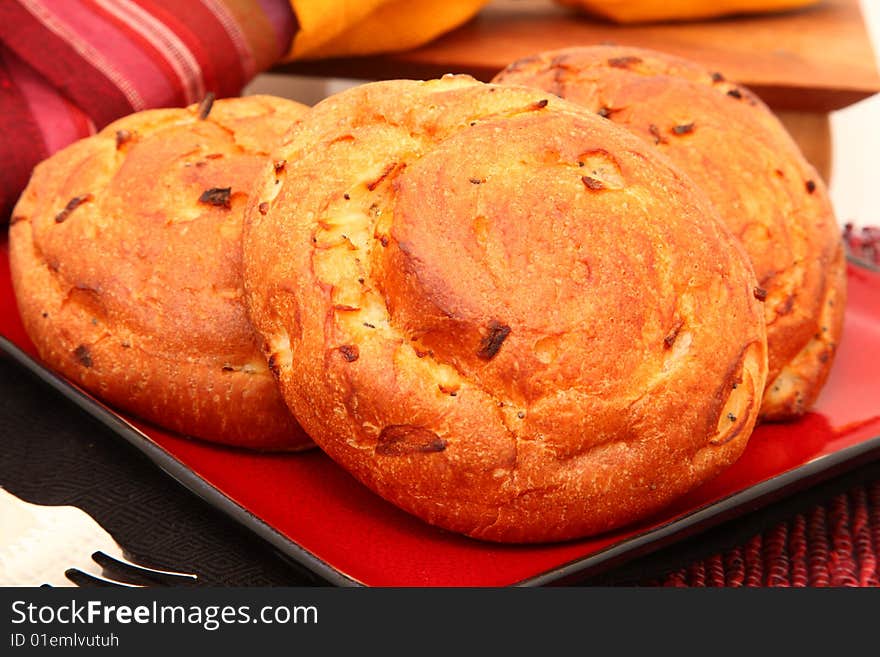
(70, 67)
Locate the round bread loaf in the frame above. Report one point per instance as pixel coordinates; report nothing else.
(500, 312)
(732, 146)
(125, 251)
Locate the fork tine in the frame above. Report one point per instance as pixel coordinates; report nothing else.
(138, 574)
(84, 579)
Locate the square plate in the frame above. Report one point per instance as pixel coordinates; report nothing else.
(317, 514)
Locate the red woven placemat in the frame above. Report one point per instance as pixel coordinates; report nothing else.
(836, 543)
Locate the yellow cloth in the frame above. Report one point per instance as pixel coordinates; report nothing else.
(338, 28)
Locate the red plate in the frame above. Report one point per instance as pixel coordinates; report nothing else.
(317, 514)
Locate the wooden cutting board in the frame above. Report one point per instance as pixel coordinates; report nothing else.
(815, 59)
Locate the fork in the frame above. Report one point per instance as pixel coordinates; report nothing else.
(37, 541)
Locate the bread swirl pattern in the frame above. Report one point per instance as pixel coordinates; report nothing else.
(736, 150)
(126, 262)
(469, 303)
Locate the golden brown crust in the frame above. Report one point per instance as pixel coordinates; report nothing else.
(470, 306)
(127, 269)
(723, 137)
